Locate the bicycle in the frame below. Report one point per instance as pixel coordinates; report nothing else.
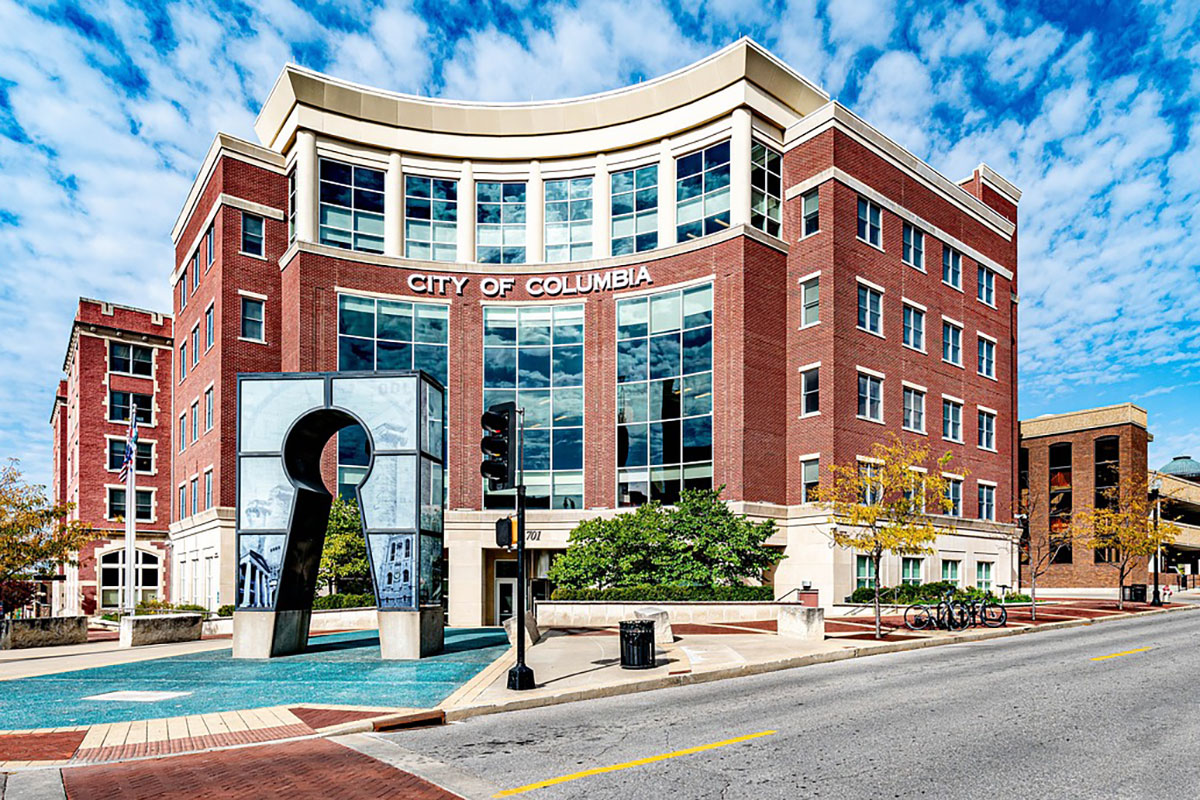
(987, 613)
(947, 615)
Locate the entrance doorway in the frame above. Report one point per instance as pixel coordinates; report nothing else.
(506, 590)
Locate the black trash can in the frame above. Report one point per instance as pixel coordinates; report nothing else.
(637, 644)
(1135, 593)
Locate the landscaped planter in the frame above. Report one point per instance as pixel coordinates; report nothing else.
(139, 630)
(603, 613)
(42, 632)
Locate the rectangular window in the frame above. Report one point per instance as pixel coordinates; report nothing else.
(954, 495)
(183, 361)
(810, 391)
(182, 500)
(252, 234)
(183, 289)
(351, 207)
(430, 218)
(812, 213)
(914, 328)
(664, 395)
(252, 319)
(1061, 501)
(208, 409)
(950, 571)
(500, 222)
(951, 421)
(1107, 467)
(864, 573)
(811, 291)
(870, 310)
(209, 327)
(987, 358)
(195, 495)
(196, 344)
(130, 359)
(810, 476)
(910, 571)
(196, 270)
(291, 210)
(983, 576)
(182, 432)
(914, 410)
(870, 397)
(702, 192)
(987, 287)
(951, 343)
(987, 430)
(209, 244)
(195, 420)
(987, 502)
(634, 199)
(119, 402)
(914, 247)
(145, 504)
(870, 226)
(208, 489)
(143, 461)
(766, 189)
(951, 267)
(568, 223)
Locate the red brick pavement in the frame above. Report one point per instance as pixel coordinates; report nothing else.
(187, 744)
(314, 768)
(40, 746)
(324, 717)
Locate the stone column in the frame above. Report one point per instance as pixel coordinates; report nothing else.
(393, 207)
(466, 214)
(306, 186)
(534, 214)
(466, 581)
(739, 169)
(666, 195)
(601, 209)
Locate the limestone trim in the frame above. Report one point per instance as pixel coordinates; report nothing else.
(1086, 419)
(225, 146)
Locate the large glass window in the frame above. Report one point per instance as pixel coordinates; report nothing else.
(664, 395)
(112, 577)
(766, 189)
(1108, 470)
(500, 222)
(430, 218)
(635, 210)
(533, 356)
(569, 219)
(1061, 501)
(910, 571)
(702, 192)
(130, 359)
(351, 213)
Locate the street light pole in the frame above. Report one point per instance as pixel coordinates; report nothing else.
(1155, 489)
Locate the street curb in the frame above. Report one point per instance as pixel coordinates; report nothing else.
(633, 687)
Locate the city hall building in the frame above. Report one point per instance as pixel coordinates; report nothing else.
(717, 278)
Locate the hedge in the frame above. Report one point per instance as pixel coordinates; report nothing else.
(344, 601)
(647, 593)
(908, 594)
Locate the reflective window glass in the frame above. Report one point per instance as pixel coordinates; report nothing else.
(702, 193)
(430, 218)
(634, 210)
(350, 211)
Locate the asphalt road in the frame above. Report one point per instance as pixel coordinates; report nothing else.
(1023, 717)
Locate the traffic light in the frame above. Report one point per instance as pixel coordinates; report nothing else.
(499, 446)
(506, 533)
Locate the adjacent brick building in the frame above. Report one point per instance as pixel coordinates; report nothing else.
(117, 358)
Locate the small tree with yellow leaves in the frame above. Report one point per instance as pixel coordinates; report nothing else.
(1120, 526)
(881, 504)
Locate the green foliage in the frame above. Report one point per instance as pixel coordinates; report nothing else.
(163, 607)
(698, 542)
(344, 562)
(908, 594)
(649, 593)
(1017, 597)
(225, 610)
(344, 601)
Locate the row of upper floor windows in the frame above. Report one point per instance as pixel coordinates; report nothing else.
(252, 242)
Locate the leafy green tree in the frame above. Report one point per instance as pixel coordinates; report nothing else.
(344, 564)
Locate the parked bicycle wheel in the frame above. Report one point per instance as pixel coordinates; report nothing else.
(918, 618)
(953, 616)
(993, 615)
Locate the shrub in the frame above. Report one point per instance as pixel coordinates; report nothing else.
(343, 601)
(907, 594)
(1017, 597)
(163, 607)
(225, 610)
(650, 593)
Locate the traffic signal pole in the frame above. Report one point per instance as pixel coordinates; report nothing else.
(520, 677)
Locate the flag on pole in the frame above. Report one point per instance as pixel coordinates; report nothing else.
(130, 444)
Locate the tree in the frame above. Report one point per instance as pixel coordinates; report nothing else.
(879, 504)
(1120, 525)
(1037, 554)
(344, 557)
(34, 533)
(698, 542)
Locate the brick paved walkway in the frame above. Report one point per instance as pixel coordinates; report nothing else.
(315, 768)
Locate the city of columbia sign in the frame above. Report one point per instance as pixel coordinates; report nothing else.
(536, 286)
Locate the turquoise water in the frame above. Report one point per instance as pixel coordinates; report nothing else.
(337, 668)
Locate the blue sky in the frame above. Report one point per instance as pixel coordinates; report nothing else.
(107, 108)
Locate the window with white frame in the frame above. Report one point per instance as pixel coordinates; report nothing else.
(634, 202)
(951, 267)
(112, 577)
(195, 495)
(914, 410)
(208, 409)
(987, 502)
(430, 218)
(987, 358)
(702, 192)
(182, 500)
(252, 234)
(195, 420)
(987, 430)
(209, 327)
(954, 495)
(196, 344)
(872, 492)
(951, 343)
(183, 289)
(351, 206)
(183, 361)
(916, 491)
(810, 391)
(811, 211)
(119, 403)
(910, 571)
(766, 189)
(208, 497)
(143, 460)
(182, 432)
(951, 420)
(196, 270)
(811, 300)
(986, 291)
(208, 244)
(291, 211)
(145, 504)
(983, 576)
(568, 223)
(950, 570)
(870, 397)
(870, 309)
(810, 478)
(130, 359)
(864, 572)
(914, 328)
(914, 247)
(252, 319)
(500, 222)
(870, 225)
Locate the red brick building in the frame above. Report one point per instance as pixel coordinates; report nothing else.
(716, 278)
(117, 358)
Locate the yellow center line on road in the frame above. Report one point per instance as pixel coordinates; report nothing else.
(1122, 653)
(574, 776)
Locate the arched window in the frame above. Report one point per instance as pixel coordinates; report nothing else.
(112, 577)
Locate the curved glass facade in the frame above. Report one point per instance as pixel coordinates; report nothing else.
(664, 394)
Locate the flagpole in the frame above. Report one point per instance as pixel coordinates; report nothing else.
(130, 512)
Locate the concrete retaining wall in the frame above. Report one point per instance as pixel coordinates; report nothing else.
(596, 613)
(331, 619)
(137, 631)
(42, 632)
